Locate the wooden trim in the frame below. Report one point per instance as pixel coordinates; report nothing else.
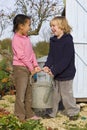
(81, 99)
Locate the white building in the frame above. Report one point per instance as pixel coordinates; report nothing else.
(76, 13)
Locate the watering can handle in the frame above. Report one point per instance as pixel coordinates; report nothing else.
(31, 78)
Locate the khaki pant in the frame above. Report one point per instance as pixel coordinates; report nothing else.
(63, 91)
(23, 92)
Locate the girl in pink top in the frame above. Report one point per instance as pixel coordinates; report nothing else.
(24, 64)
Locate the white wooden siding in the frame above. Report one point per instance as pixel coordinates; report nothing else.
(76, 13)
(80, 81)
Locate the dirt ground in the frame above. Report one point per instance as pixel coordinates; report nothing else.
(60, 122)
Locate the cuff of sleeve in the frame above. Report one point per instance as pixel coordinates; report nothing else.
(53, 72)
(35, 65)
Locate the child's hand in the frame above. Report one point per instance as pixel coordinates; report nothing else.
(37, 69)
(33, 72)
(50, 73)
(46, 69)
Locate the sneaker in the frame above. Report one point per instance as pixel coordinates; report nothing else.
(46, 116)
(75, 117)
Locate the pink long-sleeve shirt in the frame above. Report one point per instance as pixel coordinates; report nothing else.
(23, 54)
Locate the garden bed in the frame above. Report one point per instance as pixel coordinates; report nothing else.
(61, 122)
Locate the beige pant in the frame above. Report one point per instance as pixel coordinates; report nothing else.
(23, 92)
(63, 91)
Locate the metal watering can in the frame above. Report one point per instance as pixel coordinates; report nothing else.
(42, 91)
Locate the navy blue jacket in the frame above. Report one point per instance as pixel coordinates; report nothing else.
(61, 57)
